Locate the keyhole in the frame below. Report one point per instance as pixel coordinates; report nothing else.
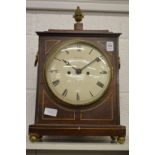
(69, 72)
(87, 73)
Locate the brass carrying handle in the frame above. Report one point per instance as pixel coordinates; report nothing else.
(36, 59)
(119, 63)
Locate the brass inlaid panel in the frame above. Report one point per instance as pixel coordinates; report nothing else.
(98, 113)
(69, 115)
(49, 44)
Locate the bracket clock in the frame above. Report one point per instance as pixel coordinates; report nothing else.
(78, 84)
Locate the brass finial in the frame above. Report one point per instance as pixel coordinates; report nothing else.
(78, 15)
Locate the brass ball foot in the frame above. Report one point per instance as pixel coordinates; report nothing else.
(121, 140)
(35, 137)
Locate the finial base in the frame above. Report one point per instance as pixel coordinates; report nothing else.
(78, 26)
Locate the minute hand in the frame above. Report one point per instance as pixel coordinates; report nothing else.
(89, 63)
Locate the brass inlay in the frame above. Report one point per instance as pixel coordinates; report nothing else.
(54, 43)
(81, 113)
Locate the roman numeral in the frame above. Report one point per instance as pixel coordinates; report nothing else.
(100, 84)
(65, 92)
(54, 70)
(77, 97)
(57, 59)
(98, 59)
(103, 72)
(91, 51)
(91, 93)
(67, 51)
(78, 47)
(56, 82)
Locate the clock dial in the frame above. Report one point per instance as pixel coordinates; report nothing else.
(77, 73)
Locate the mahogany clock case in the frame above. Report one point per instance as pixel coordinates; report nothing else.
(101, 118)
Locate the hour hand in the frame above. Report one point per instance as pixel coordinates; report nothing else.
(68, 64)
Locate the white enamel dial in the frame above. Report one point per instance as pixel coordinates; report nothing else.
(77, 73)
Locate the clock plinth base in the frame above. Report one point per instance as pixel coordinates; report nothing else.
(115, 131)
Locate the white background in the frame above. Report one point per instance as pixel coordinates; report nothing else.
(13, 77)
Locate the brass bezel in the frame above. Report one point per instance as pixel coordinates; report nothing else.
(58, 47)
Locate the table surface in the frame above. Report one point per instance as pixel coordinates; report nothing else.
(77, 143)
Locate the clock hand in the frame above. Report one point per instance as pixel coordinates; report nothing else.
(90, 63)
(68, 64)
(77, 70)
